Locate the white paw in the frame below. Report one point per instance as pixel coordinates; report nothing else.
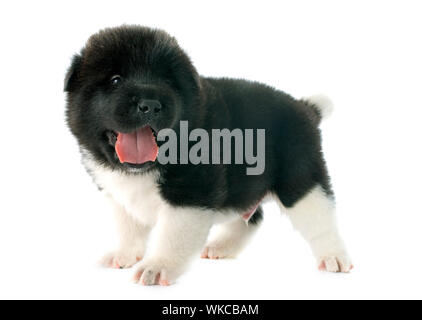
(340, 263)
(157, 272)
(219, 251)
(120, 260)
(331, 253)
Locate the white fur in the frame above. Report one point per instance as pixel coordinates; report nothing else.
(182, 231)
(138, 195)
(133, 239)
(314, 217)
(323, 103)
(228, 239)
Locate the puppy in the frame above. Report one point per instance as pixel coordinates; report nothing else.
(130, 84)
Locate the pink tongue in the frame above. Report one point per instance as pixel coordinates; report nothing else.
(137, 147)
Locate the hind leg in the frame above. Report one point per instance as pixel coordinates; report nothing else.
(313, 215)
(229, 238)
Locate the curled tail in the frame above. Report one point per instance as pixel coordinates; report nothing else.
(321, 104)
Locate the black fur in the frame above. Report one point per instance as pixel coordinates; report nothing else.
(153, 66)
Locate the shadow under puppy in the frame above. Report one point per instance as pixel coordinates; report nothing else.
(130, 82)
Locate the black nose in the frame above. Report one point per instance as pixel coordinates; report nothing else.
(146, 106)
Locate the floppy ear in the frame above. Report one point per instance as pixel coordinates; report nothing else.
(72, 73)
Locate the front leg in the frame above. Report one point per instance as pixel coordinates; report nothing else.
(182, 233)
(133, 239)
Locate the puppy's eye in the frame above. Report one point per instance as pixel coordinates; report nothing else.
(115, 79)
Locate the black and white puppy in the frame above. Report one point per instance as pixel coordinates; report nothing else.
(129, 83)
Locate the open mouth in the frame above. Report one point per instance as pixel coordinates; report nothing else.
(135, 148)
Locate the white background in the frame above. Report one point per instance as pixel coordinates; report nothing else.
(366, 55)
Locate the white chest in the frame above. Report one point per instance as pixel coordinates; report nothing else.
(138, 194)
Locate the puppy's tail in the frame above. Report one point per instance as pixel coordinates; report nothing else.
(321, 104)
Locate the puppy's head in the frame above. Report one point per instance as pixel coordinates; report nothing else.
(126, 84)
